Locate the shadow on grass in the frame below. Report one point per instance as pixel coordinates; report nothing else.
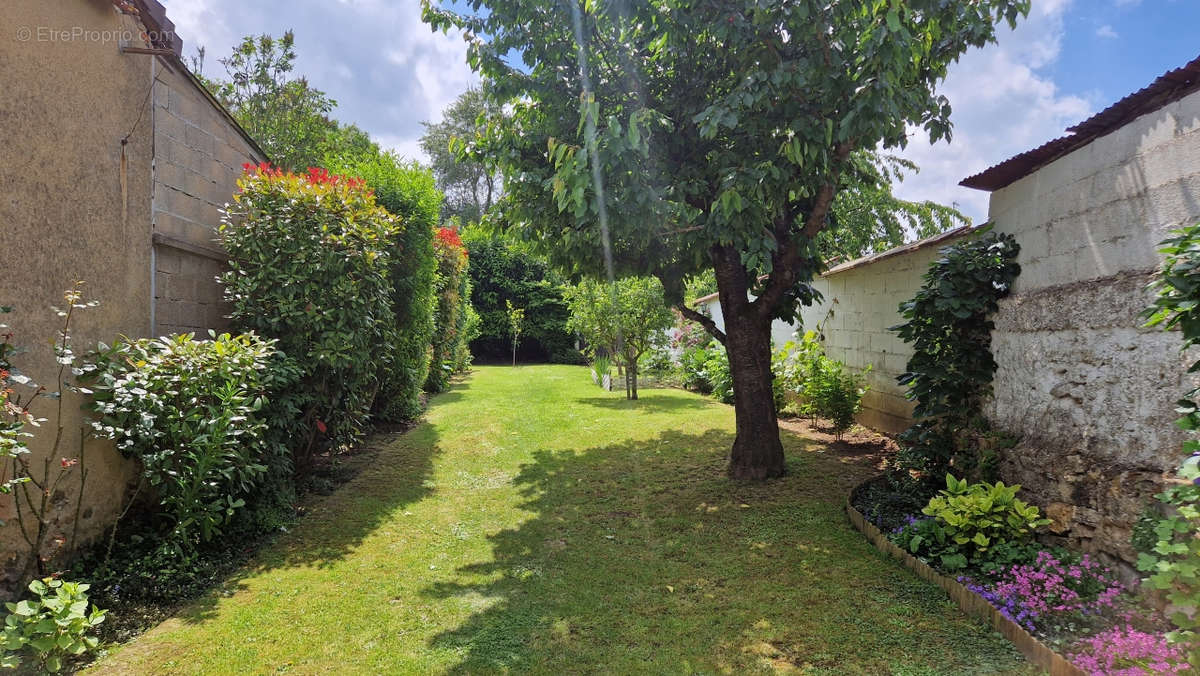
(394, 471)
(650, 401)
(641, 557)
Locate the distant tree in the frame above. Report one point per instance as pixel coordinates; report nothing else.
(471, 186)
(286, 116)
(623, 321)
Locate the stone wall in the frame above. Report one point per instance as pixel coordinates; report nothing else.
(1089, 391)
(198, 157)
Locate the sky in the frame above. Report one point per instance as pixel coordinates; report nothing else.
(1069, 59)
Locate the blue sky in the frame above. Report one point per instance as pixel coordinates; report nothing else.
(1069, 59)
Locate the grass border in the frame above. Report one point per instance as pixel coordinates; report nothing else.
(971, 603)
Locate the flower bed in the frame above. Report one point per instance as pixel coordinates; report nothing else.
(1073, 602)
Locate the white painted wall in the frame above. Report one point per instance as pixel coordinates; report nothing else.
(861, 300)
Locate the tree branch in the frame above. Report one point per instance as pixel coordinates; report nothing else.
(707, 322)
(788, 257)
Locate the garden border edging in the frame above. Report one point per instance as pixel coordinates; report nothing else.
(971, 603)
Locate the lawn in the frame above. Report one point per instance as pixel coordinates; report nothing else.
(537, 524)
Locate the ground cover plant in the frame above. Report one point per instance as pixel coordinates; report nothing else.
(537, 524)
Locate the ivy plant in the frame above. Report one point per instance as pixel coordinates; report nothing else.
(1174, 561)
(948, 325)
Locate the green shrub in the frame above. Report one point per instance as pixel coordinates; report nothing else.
(406, 190)
(969, 520)
(691, 365)
(717, 373)
(450, 283)
(501, 272)
(192, 413)
(1173, 563)
(823, 387)
(310, 268)
(50, 627)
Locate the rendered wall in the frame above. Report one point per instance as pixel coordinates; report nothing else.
(860, 301)
(67, 213)
(1090, 392)
(77, 204)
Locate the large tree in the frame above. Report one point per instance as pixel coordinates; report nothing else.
(471, 186)
(684, 134)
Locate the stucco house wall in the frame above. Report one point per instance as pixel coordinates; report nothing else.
(76, 203)
(1088, 389)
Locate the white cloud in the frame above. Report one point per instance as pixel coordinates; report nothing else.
(385, 67)
(1002, 105)
(1106, 31)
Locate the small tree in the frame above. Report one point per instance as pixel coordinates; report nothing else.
(625, 321)
(516, 318)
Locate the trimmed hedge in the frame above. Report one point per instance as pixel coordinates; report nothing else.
(310, 268)
(407, 190)
(499, 272)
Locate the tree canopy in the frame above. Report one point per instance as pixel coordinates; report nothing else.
(471, 186)
(704, 134)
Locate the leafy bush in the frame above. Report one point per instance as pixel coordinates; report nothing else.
(309, 267)
(50, 627)
(450, 283)
(950, 373)
(501, 272)
(691, 365)
(824, 387)
(1174, 561)
(717, 373)
(967, 520)
(192, 413)
(406, 190)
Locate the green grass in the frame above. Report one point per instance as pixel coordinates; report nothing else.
(536, 524)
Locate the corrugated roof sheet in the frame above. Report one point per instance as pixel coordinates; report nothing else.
(1169, 87)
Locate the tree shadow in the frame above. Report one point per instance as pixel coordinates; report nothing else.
(649, 401)
(642, 557)
(392, 470)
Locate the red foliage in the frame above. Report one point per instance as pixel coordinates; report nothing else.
(315, 176)
(449, 237)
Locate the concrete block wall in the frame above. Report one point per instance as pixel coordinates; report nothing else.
(198, 157)
(861, 300)
(1089, 391)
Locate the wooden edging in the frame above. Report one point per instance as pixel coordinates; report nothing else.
(971, 603)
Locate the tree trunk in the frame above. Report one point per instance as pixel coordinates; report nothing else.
(633, 374)
(757, 451)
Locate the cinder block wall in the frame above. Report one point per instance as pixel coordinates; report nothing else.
(861, 300)
(860, 303)
(1091, 392)
(198, 157)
